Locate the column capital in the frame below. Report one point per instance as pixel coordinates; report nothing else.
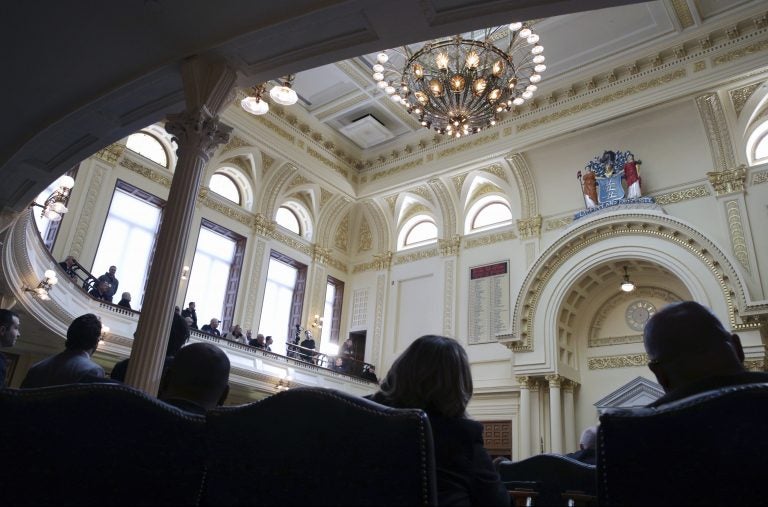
(523, 381)
(450, 246)
(198, 131)
(729, 181)
(569, 385)
(554, 380)
(533, 384)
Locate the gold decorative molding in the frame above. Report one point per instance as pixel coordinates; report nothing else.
(397, 169)
(737, 54)
(458, 182)
(111, 153)
(148, 173)
(416, 256)
(240, 215)
(86, 212)
(555, 380)
(683, 13)
(266, 161)
(682, 195)
(365, 237)
(235, 143)
(736, 229)
(320, 254)
(740, 96)
(391, 201)
(522, 381)
(497, 171)
(293, 243)
(760, 177)
(699, 66)
(755, 364)
(489, 239)
(468, 145)
(274, 128)
(413, 210)
(623, 361)
(328, 162)
(615, 340)
(297, 180)
(728, 182)
(423, 192)
(607, 99)
(449, 300)
(341, 238)
(529, 227)
(558, 223)
(486, 188)
(263, 226)
(449, 247)
(325, 196)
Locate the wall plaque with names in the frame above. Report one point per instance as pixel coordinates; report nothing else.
(488, 303)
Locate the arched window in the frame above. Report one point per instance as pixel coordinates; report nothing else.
(419, 230)
(148, 146)
(225, 187)
(757, 144)
(487, 213)
(288, 219)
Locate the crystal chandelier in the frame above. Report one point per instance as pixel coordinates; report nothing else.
(461, 86)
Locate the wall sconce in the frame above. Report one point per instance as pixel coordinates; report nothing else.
(45, 285)
(184, 272)
(317, 322)
(627, 285)
(56, 204)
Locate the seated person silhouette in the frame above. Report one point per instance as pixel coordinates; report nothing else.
(690, 352)
(587, 444)
(433, 374)
(177, 337)
(197, 380)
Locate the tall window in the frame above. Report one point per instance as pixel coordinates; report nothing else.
(334, 293)
(147, 146)
(128, 240)
(215, 275)
(283, 299)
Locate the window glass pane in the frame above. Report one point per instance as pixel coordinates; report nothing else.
(147, 146)
(287, 219)
(126, 242)
(225, 187)
(278, 297)
(209, 275)
(494, 213)
(761, 150)
(330, 294)
(423, 231)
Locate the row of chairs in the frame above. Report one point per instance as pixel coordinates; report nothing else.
(709, 449)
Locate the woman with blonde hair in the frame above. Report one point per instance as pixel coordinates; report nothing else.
(433, 374)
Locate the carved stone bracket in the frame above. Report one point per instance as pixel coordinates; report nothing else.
(728, 182)
(263, 226)
(320, 254)
(383, 261)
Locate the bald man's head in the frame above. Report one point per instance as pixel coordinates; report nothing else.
(686, 342)
(199, 373)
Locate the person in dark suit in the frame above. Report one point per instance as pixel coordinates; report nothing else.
(74, 364)
(433, 374)
(212, 328)
(190, 312)
(177, 337)
(690, 352)
(587, 444)
(308, 347)
(9, 333)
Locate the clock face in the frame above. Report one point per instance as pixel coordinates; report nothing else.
(638, 313)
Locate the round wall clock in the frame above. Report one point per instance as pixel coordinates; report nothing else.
(637, 314)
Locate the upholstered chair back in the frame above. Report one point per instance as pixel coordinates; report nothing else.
(549, 476)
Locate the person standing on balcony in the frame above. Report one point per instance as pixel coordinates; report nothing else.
(109, 277)
(125, 301)
(69, 266)
(191, 313)
(212, 328)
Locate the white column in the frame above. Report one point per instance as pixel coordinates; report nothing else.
(535, 441)
(569, 416)
(197, 132)
(555, 414)
(524, 445)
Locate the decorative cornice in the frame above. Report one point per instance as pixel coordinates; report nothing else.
(755, 364)
(111, 153)
(472, 142)
(213, 203)
(760, 177)
(623, 361)
(615, 340)
(682, 195)
(529, 227)
(263, 226)
(737, 54)
(728, 182)
(294, 243)
(488, 239)
(393, 170)
(416, 256)
(328, 162)
(558, 223)
(235, 143)
(148, 173)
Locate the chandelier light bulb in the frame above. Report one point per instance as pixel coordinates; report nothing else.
(52, 281)
(532, 39)
(531, 88)
(535, 78)
(389, 90)
(382, 58)
(418, 71)
(494, 95)
(43, 296)
(378, 68)
(283, 95)
(395, 98)
(479, 85)
(378, 76)
(539, 59)
(457, 83)
(540, 67)
(527, 94)
(537, 49)
(498, 68)
(59, 208)
(441, 60)
(49, 273)
(513, 27)
(254, 105)
(473, 60)
(525, 33)
(51, 215)
(422, 98)
(518, 101)
(382, 84)
(436, 87)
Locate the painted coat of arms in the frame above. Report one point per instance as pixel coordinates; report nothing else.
(603, 175)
